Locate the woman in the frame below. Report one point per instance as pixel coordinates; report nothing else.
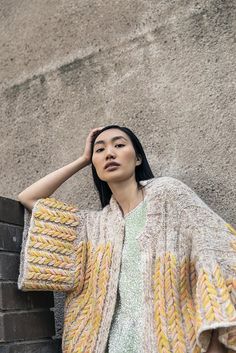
(152, 271)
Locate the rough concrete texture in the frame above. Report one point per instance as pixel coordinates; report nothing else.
(166, 69)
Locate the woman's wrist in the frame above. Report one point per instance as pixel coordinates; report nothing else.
(82, 162)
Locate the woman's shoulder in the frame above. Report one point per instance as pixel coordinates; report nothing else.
(165, 183)
(170, 188)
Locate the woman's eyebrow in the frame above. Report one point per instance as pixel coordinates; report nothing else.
(113, 139)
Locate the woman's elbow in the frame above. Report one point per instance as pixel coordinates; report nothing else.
(29, 204)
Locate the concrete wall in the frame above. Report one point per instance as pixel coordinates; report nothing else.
(166, 69)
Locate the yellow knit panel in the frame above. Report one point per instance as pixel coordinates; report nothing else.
(50, 244)
(159, 307)
(193, 282)
(77, 307)
(63, 217)
(48, 260)
(198, 316)
(80, 261)
(36, 285)
(47, 277)
(187, 302)
(173, 309)
(193, 279)
(38, 255)
(52, 202)
(75, 303)
(231, 285)
(45, 266)
(54, 230)
(37, 272)
(224, 294)
(208, 297)
(214, 298)
(102, 282)
(54, 258)
(174, 293)
(83, 312)
(233, 245)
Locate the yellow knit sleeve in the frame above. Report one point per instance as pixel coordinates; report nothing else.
(206, 291)
(53, 250)
(214, 256)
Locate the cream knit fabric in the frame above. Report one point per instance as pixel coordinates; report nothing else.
(188, 253)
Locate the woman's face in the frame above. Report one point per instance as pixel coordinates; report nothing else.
(113, 146)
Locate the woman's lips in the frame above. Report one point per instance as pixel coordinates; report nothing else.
(112, 167)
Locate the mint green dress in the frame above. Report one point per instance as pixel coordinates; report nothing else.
(126, 326)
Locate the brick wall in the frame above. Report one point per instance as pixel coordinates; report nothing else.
(26, 318)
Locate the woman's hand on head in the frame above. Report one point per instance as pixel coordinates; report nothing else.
(88, 144)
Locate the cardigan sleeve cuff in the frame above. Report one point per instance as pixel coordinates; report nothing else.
(216, 292)
(53, 252)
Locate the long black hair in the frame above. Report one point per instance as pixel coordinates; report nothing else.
(142, 171)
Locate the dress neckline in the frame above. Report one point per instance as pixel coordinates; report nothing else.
(134, 209)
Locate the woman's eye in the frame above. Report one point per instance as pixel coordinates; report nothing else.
(101, 149)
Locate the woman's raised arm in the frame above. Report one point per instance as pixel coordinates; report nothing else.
(47, 185)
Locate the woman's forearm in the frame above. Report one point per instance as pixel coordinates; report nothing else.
(50, 183)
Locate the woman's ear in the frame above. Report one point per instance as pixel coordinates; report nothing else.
(139, 160)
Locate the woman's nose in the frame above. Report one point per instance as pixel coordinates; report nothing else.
(110, 152)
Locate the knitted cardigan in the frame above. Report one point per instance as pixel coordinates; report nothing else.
(189, 269)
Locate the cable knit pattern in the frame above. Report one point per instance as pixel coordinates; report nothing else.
(83, 313)
(188, 257)
(51, 258)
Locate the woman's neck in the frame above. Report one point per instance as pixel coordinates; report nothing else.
(127, 194)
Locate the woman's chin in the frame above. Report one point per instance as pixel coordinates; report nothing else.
(115, 178)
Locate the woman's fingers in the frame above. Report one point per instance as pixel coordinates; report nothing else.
(87, 151)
